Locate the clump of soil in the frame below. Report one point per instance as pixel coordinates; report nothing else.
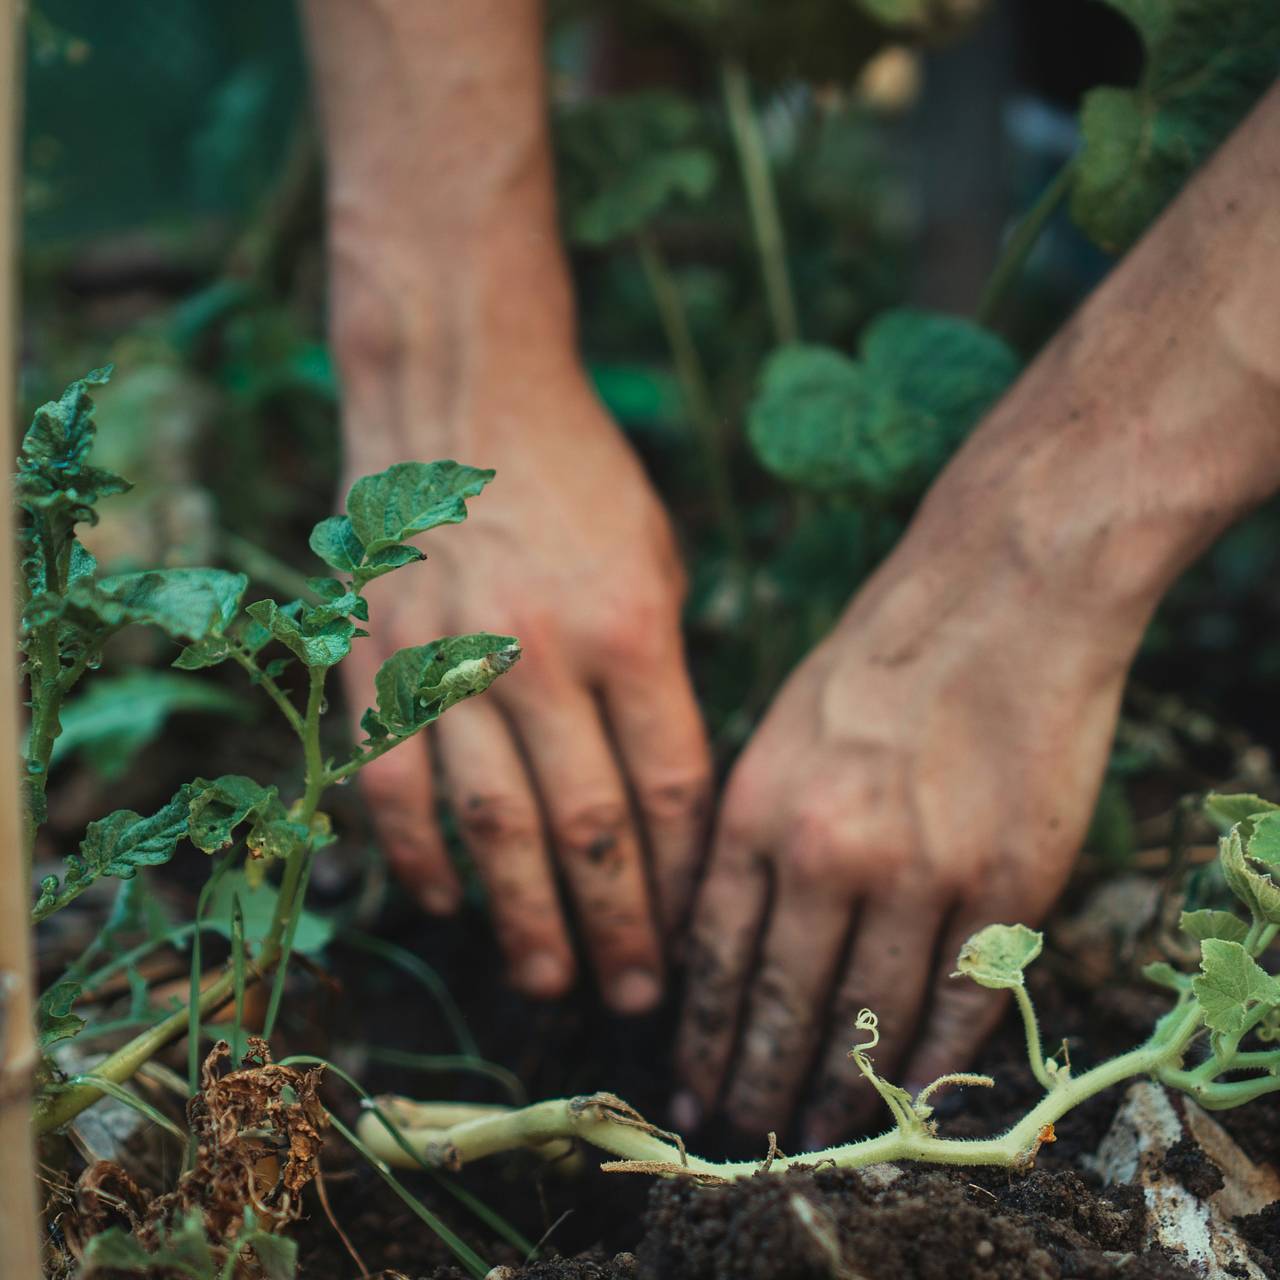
(1262, 1231)
(1187, 1162)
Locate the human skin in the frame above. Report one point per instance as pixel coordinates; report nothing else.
(932, 765)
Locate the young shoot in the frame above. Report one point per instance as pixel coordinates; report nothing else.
(1217, 1043)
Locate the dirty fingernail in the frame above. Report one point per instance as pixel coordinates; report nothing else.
(686, 1111)
(540, 974)
(635, 991)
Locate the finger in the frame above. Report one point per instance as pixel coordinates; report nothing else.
(888, 973)
(595, 838)
(727, 918)
(663, 744)
(801, 949)
(498, 819)
(398, 790)
(963, 1014)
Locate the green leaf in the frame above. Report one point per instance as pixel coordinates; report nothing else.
(1203, 925)
(409, 498)
(187, 604)
(1230, 985)
(335, 542)
(1254, 887)
(181, 1249)
(625, 159)
(54, 1019)
(117, 845)
(119, 715)
(218, 806)
(318, 644)
(996, 956)
(1206, 62)
(880, 427)
(1227, 810)
(1163, 974)
(1263, 844)
(339, 601)
(417, 685)
(258, 905)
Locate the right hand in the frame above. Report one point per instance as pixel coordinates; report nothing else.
(589, 757)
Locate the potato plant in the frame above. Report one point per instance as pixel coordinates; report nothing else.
(69, 612)
(1195, 1047)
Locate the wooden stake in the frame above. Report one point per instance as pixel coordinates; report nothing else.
(19, 1229)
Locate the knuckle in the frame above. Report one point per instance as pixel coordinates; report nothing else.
(488, 818)
(591, 830)
(679, 798)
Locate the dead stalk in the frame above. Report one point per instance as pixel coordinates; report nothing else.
(18, 1204)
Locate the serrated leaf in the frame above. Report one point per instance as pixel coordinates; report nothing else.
(1230, 985)
(409, 498)
(117, 845)
(187, 604)
(54, 1019)
(119, 715)
(1205, 924)
(417, 685)
(218, 806)
(625, 159)
(1206, 61)
(996, 956)
(1163, 974)
(1254, 887)
(1263, 843)
(880, 427)
(321, 644)
(1228, 809)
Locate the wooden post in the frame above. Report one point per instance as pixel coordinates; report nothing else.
(19, 1230)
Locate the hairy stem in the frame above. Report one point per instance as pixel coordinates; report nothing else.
(1021, 242)
(610, 1125)
(1032, 1028)
(762, 202)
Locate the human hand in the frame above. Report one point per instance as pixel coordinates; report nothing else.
(589, 756)
(929, 769)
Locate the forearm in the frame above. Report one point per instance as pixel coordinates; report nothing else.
(1152, 421)
(444, 257)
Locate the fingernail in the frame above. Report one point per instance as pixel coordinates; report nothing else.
(541, 974)
(686, 1112)
(635, 991)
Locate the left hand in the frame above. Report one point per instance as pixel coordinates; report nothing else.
(929, 769)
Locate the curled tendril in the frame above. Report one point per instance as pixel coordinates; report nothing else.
(868, 1022)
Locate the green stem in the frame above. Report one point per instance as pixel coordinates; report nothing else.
(269, 686)
(365, 757)
(263, 567)
(1035, 1053)
(692, 376)
(762, 202)
(1021, 242)
(610, 1125)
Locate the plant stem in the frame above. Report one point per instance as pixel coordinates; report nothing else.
(762, 201)
(367, 756)
(269, 686)
(62, 1107)
(263, 567)
(1032, 1028)
(607, 1123)
(692, 376)
(1021, 242)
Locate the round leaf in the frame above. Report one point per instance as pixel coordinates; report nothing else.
(996, 956)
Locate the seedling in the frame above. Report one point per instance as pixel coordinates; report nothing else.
(70, 612)
(1195, 1047)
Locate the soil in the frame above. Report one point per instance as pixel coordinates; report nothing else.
(1054, 1223)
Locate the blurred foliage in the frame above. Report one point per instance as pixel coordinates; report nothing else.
(191, 253)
